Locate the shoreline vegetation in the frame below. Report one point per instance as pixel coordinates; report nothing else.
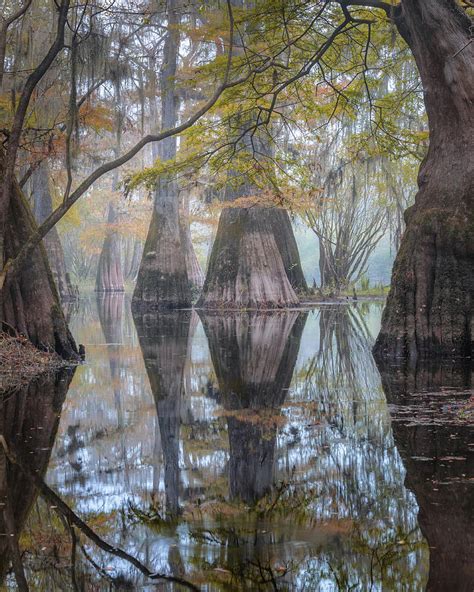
(21, 362)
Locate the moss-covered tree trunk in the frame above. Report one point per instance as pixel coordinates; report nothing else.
(246, 269)
(162, 279)
(29, 301)
(254, 356)
(43, 206)
(429, 311)
(109, 271)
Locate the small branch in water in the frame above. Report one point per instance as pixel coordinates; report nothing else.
(63, 510)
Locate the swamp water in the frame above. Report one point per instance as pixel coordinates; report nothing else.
(239, 452)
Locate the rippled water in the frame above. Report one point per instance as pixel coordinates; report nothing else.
(244, 452)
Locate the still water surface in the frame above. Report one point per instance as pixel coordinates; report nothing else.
(248, 452)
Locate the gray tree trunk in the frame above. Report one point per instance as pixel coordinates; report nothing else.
(195, 274)
(109, 271)
(254, 356)
(163, 279)
(43, 206)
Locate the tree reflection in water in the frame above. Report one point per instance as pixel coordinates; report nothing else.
(29, 420)
(262, 457)
(164, 341)
(434, 436)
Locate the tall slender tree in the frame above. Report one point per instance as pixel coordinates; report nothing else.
(163, 279)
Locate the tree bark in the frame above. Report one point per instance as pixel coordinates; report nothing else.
(246, 269)
(288, 248)
(195, 274)
(29, 301)
(43, 206)
(431, 301)
(109, 271)
(162, 279)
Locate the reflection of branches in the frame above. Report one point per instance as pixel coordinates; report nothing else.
(65, 512)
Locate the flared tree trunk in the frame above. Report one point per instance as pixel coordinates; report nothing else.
(29, 301)
(254, 356)
(246, 269)
(254, 261)
(430, 306)
(43, 206)
(109, 271)
(162, 279)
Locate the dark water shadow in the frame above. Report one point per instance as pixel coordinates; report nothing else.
(29, 420)
(432, 422)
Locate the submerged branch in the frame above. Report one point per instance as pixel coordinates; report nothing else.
(73, 519)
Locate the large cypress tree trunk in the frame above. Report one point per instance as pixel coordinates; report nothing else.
(430, 305)
(29, 421)
(109, 271)
(254, 261)
(438, 459)
(29, 301)
(162, 279)
(246, 269)
(43, 206)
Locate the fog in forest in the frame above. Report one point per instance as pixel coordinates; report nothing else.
(236, 295)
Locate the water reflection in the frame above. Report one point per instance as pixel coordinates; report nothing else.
(29, 420)
(254, 357)
(251, 452)
(435, 439)
(164, 341)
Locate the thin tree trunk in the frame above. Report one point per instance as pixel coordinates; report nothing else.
(430, 306)
(43, 206)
